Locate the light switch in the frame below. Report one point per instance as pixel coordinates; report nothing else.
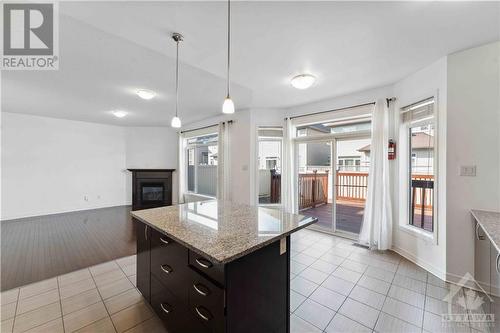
(468, 170)
(244, 167)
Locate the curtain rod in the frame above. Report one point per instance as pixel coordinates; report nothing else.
(340, 109)
(208, 126)
(388, 100)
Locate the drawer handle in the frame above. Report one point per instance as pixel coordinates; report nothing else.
(207, 317)
(164, 241)
(166, 307)
(146, 232)
(203, 263)
(201, 289)
(477, 233)
(498, 268)
(166, 268)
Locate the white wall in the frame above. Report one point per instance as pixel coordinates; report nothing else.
(473, 125)
(49, 165)
(151, 148)
(430, 254)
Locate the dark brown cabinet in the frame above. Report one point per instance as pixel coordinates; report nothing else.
(143, 235)
(192, 294)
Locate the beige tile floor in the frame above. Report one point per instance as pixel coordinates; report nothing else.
(335, 287)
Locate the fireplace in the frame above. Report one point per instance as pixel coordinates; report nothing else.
(151, 188)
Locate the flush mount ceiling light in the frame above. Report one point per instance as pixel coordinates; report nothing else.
(145, 94)
(228, 105)
(176, 121)
(119, 113)
(303, 81)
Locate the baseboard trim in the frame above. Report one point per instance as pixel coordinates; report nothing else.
(425, 265)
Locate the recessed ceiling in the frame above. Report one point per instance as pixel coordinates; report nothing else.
(108, 50)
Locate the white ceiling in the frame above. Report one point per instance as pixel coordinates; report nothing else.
(109, 49)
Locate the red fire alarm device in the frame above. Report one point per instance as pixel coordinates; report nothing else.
(392, 150)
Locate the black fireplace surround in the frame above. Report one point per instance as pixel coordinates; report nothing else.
(151, 188)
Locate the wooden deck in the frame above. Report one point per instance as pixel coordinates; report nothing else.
(350, 216)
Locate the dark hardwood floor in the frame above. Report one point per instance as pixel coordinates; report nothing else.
(38, 248)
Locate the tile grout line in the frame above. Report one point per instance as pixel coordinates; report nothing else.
(134, 287)
(319, 285)
(60, 303)
(15, 312)
(425, 301)
(385, 298)
(102, 300)
(347, 296)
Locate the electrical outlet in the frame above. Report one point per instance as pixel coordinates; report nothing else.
(86, 198)
(468, 170)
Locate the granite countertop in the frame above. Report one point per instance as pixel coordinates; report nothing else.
(490, 222)
(222, 231)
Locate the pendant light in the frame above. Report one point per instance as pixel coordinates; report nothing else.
(228, 105)
(176, 121)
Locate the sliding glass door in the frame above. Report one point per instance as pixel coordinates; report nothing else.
(332, 181)
(315, 182)
(352, 158)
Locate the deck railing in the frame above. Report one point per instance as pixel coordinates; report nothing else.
(349, 186)
(313, 189)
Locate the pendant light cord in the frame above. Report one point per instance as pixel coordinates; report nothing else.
(177, 79)
(228, 43)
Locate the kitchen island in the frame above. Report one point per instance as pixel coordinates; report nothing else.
(217, 266)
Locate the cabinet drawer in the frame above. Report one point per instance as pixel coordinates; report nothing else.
(214, 271)
(172, 311)
(169, 264)
(206, 301)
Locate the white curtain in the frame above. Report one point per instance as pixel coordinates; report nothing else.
(224, 162)
(376, 231)
(288, 175)
(181, 171)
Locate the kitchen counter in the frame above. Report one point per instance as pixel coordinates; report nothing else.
(217, 267)
(490, 223)
(222, 231)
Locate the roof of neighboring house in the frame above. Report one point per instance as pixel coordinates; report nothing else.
(419, 141)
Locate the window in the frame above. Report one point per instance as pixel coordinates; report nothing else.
(201, 154)
(269, 165)
(420, 125)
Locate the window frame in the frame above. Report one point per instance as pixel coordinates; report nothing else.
(405, 166)
(194, 146)
(257, 152)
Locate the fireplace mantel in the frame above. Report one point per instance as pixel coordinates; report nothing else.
(151, 188)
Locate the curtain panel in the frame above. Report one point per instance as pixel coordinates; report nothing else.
(376, 231)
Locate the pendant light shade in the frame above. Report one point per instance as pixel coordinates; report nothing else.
(176, 121)
(228, 105)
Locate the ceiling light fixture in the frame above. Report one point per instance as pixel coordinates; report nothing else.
(119, 113)
(303, 81)
(228, 105)
(176, 121)
(145, 94)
